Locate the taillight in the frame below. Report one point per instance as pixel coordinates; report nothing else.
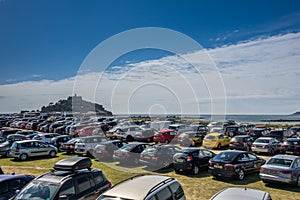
(227, 166)
(262, 169)
(154, 158)
(286, 172)
(266, 146)
(252, 145)
(127, 154)
(17, 149)
(109, 184)
(209, 162)
(189, 158)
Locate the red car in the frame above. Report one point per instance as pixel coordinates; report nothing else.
(164, 136)
(86, 131)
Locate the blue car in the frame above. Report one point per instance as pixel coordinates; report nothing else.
(10, 183)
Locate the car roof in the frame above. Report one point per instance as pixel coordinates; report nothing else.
(25, 141)
(234, 193)
(4, 177)
(241, 136)
(293, 139)
(283, 156)
(166, 130)
(136, 187)
(266, 138)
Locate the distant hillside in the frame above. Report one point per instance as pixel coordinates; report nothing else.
(296, 113)
(75, 104)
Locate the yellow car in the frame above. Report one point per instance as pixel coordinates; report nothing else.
(216, 140)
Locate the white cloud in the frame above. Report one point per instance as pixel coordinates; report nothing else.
(260, 76)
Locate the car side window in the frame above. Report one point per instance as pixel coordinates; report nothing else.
(83, 183)
(177, 190)
(97, 178)
(207, 153)
(243, 157)
(16, 184)
(252, 157)
(3, 187)
(164, 194)
(297, 163)
(67, 189)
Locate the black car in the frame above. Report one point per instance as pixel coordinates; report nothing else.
(241, 142)
(11, 183)
(291, 146)
(258, 132)
(192, 159)
(69, 146)
(58, 140)
(72, 178)
(280, 135)
(160, 155)
(105, 150)
(130, 153)
(235, 130)
(234, 163)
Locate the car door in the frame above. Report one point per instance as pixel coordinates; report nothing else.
(256, 162)
(244, 162)
(204, 156)
(32, 148)
(43, 148)
(84, 185)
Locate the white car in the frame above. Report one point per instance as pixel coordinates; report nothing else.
(266, 145)
(45, 137)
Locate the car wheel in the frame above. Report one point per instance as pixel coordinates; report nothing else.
(177, 171)
(219, 146)
(136, 161)
(166, 141)
(129, 138)
(241, 175)
(195, 169)
(52, 154)
(272, 151)
(165, 164)
(23, 156)
(298, 181)
(7, 154)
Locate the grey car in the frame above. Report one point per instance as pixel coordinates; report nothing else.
(281, 169)
(145, 187)
(31, 148)
(266, 145)
(235, 193)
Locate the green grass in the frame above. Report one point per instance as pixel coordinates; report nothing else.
(200, 186)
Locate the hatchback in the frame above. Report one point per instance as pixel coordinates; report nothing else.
(266, 145)
(72, 178)
(160, 156)
(235, 193)
(130, 153)
(281, 169)
(105, 150)
(215, 140)
(192, 159)
(145, 187)
(234, 163)
(69, 146)
(190, 138)
(31, 148)
(241, 142)
(164, 136)
(87, 144)
(11, 183)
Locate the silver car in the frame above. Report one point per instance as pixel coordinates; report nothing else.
(30, 148)
(235, 193)
(86, 145)
(282, 169)
(266, 145)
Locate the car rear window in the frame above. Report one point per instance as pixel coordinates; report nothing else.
(262, 141)
(280, 162)
(227, 156)
(210, 137)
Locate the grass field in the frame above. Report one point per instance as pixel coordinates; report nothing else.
(200, 186)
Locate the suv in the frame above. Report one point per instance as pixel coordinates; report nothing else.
(72, 178)
(146, 187)
(127, 132)
(30, 148)
(258, 132)
(235, 130)
(10, 184)
(192, 159)
(87, 144)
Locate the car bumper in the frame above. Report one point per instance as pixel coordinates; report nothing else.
(80, 151)
(183, 166)
(255, 149)
(221, 173)
(276, 179)
(291, 151)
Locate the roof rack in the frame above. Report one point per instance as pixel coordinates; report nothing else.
(73, 164)
(160, 184)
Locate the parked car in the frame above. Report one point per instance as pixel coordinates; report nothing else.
(280, 135)
(31, 148)
(215, 140)
(234, 163)
(11, 183)
(5, 146)
(130, 153)
(266, 145)
(105, 150)
(73, 178)
(150, 187)
(241, 142)
(86, 145)
(160, 155)
(259, 132)
(127, 132)
(192, 159)
(281, 169)
(291, 146)
(190, 138)
(145, 135)
(296, 130)
(45, 137)
(69, 146)
(238, 193)
(58, 140)
(86, 131)
(232, 131)
(164, 136)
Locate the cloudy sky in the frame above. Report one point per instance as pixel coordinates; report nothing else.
(247, 61)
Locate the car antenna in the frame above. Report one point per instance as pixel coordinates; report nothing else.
(245, 188)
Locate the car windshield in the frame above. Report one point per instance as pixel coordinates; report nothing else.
(38, 191)
(280, 162)
(226, 156)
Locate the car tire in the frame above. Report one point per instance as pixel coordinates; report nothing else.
(272, 152)
(166, 141)
(177, 171)
(52, 154)
(129, 138)
(7, 154)
(241, 175)
(219, 146)
(195, 169)
(298, 181)
(23, 156)
(164, 164)
(136, 161)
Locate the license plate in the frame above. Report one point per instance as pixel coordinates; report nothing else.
(273, 171)
(147, 157)
(218, 166)
(98, 151)
(179, 160)
(289, 152)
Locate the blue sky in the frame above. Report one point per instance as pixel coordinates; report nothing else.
(49, 40)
